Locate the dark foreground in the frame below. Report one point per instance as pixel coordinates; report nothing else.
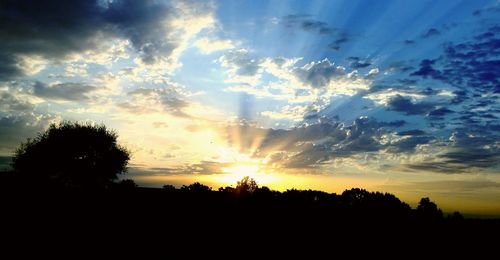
(195, 220)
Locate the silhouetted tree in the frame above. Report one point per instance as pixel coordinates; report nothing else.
(72, 155)
(456, 217)
(169, 187)
(429, 210)
(127, 184)
(246, 185)
(196, 188)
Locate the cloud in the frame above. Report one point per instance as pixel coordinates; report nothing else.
(63, 91)
(358, 63)
(469, 65)
(403, 104)
(311, 146)
(207, 46)
(12, 103)
(168, 100)
(495, 8)
(408, 143)
(73, 70)
(372, 73)
(57, 29)
(306, 23)
(296, 84)
(432, 32)
(442, 111)
(337, 43)
(242, 68)
(412, 132)
(295, 113)
(464, 152)
(319, 74)
(426, 70)
(452, 186)
(15, 129)
(469, 68)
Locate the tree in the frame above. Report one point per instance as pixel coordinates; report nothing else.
(127, 184)
(429, 210)
(196, 188)
(246, 185)
(72, 155)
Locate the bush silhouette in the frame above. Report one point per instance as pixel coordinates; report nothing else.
(246, 185)
(71, 155)
(429, 210)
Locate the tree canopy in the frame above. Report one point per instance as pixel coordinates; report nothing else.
(72, 155)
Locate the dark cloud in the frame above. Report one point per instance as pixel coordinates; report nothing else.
(405, 86)
(8, 66)
(310, 146)
(487, 10)
(63, 91)
(339, 40)
(432, 32)
(15, 129)
(409, 42)
(306, 23)
(201, 168)
(408, 144)
(11, 103)
(442, 111)
(466, 152)
(426, 70)
(412, 132)
(404, 104)
(318, 74)
(471, 66)
(358, 63)
(400, 66)
(54, 29)
(309, 24)
(438, 167)
(447, 186)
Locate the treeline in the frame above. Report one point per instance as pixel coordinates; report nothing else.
(246, 198)
(247, 214)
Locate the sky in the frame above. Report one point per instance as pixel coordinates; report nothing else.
(393, 96)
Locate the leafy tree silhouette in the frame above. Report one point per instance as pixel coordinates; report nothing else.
(196, 188)
(127, 184)
(428, 210)
(247, 185)
(72, 155)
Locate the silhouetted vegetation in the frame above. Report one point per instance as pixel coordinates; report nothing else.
(85, 161)
(71, 155)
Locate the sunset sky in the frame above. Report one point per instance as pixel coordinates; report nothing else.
(392, 96)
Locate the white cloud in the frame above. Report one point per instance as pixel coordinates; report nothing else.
(241, 67)
(294, 113)
(31, 64)
(373, 72)
(73, 70)
(207, 46)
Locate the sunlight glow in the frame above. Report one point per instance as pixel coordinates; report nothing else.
(231, 175)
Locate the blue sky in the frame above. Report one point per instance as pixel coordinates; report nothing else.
(399, 96)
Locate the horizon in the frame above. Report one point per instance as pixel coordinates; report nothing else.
(391, 96)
